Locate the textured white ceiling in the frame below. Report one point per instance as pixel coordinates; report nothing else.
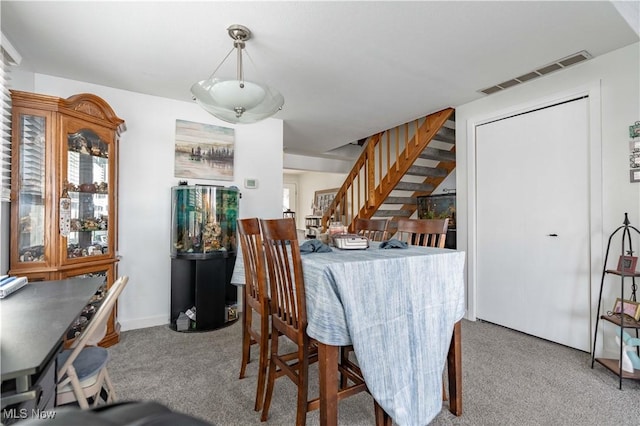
(346, 69)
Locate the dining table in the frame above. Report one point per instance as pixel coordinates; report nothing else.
(33, 324)
(400, 308)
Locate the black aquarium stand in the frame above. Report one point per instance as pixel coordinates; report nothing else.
(204, 283)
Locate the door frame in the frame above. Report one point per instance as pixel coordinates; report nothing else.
(594, 186)
(293, 196)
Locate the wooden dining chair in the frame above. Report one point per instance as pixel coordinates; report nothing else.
(255, 300)
(373, 229)
(289, 319)
(423, 232)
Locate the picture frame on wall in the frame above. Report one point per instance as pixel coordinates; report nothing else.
(322, 200)
(203, 151)
(627, 264)
(627, 307)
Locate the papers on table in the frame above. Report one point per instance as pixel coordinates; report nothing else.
(10, 284)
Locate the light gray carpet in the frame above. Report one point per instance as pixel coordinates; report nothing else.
(509, 378)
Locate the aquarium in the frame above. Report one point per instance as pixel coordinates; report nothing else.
(440, 206)
(203, 220)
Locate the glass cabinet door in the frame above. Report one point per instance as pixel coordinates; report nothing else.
(31, 202)
(87, 184)
(90, 309)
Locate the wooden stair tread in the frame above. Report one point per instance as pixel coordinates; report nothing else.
(414, 186)
(392, 213)
(401, 200)
(438, 154)
(446, 135)
(426, 171)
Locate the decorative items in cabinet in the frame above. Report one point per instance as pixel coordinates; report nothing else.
(624, 314)
(203, 254)
(64, 189)
(113, 327)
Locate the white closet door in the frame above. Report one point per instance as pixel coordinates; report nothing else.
(533, 223)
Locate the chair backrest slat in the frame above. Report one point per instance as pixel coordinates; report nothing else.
(286, 281)
(423, 232)
(254, 263)
(373, 229)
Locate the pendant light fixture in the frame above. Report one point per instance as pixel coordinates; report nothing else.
(239, 100)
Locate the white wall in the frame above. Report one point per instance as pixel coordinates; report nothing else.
(146, 176)
(22, 80)
(307, 183)
(448, 185)
(318, 164)
(310, 182)
(615, 75)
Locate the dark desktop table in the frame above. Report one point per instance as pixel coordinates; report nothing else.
(33, 324)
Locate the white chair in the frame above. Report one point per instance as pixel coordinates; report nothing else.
(82, 369)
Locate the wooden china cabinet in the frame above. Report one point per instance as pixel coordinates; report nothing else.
(64, 192)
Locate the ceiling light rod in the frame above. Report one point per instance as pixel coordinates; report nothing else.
(237, 101)
(239, 34)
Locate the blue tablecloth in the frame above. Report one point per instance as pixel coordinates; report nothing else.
(397, 307)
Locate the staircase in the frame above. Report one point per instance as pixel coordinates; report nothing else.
(395, 167)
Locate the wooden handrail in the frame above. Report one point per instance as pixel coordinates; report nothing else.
(368, 183)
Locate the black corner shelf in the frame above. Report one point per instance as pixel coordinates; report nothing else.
(621, 320)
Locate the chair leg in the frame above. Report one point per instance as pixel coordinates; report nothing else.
(77, 388)
(110, 389)
(246, 340)
(382, 418)
(264, 362)
(444, 391)
(271, 377)
(344, 355)
(101, 394)
(303, 385)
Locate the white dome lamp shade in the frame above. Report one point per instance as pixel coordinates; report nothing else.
(239, 100)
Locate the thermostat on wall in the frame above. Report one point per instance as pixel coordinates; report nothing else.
(251, 183)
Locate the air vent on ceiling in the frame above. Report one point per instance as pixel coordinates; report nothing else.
(546, 69)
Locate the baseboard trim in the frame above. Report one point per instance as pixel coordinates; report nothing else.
(137, 323)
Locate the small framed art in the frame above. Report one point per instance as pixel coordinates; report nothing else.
(322, 200)
(627, 307)
(627, 264)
